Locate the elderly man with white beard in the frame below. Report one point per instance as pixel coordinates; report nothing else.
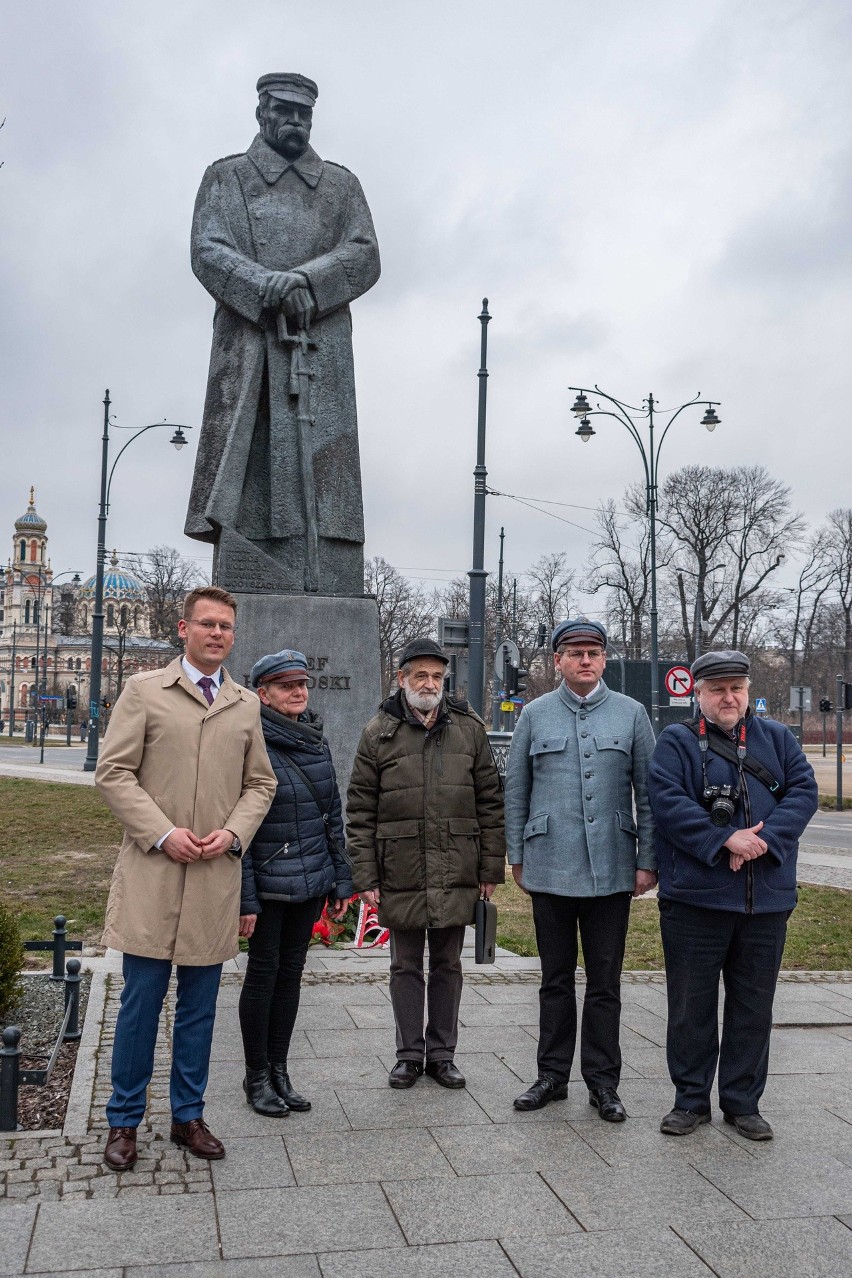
(425, 832)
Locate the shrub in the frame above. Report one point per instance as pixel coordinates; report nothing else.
(11, 961)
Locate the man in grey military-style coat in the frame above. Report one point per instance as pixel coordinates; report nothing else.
(578, 767)
(283, 241)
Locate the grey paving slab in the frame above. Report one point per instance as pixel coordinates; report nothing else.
(79, 1236)
(16, 1225)
(364, 994)
(804, 1051)
(477, 1207)
(230, 1117)
(647, 1024)
(785, 1092)
(322, 1073)
(271, 1267)
(521, 1061)
(228, 1044)
(496, 1014)
(792, 1007)
(818, 1185)
(366, 1155)
(809, 1130)
(369, 1016)
(647, 1062)
(619, 1199)
(331, 1016)
(639, 1141)
(281, 1222)
(447, 1260)
(424, 1105)
(780, 1249)
(252, 1162)
(649, 1253)
(351, 1042)
(515, 1149)
(500, 995)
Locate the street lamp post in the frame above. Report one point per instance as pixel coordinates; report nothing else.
(477, 574)
(582, 409)
(178, 440)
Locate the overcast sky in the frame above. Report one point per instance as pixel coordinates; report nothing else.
(653, 195)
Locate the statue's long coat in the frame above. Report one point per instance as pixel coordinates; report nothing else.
(257, 213)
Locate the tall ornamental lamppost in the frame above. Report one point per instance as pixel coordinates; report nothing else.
(178, 439)
(628, 416)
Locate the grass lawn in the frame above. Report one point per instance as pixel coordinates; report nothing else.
(59, 847)
(819, 934)
(60, 844)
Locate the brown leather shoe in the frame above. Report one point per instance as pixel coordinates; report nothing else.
(197, 1137)
(120, 1151)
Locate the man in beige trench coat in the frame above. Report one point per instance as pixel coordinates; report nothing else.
(184, 768)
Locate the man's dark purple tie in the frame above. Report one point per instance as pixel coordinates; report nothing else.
(205, 683)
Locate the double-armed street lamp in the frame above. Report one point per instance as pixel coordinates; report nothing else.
(628, 416)
(178, 439)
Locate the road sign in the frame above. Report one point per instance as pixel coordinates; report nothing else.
(507, 706)
(679, 681)
(760, 705)
(506, 654)
(453, 632)
(800, 697)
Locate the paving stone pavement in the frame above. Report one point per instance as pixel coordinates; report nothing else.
(374, 1182)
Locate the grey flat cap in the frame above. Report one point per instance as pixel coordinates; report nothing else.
(578, 630)
(725, 664)
(422, 648)
(285, 666)
(289, 86)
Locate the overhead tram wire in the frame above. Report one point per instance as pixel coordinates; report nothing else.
(593, 532)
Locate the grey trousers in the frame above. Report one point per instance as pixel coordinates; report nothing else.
(410, 995)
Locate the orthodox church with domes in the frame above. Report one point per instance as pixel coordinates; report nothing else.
(46, 627)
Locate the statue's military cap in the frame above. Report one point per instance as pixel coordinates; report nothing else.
(288, 86)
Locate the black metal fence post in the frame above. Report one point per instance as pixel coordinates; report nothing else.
(10, 1054)
(72, 998)
(59, 937)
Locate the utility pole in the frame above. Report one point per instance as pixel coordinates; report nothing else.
(497, 687)
(477, 574)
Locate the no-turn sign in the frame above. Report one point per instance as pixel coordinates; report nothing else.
(679, 682)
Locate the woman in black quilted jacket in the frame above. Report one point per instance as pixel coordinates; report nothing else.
(295, 864)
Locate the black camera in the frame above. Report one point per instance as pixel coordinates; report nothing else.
(722, 802)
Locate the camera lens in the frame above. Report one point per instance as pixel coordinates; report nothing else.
(722, 811)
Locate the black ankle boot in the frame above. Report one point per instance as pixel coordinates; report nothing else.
(262, 1096)
(280, 1080)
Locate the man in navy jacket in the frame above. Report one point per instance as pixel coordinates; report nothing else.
(730, 803)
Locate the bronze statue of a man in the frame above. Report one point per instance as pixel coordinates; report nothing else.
(283, 241)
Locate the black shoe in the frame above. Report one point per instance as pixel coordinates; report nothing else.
(608, 1104)
(280, 1080)
(752, 1126)
(682, 1122)
(262, 1096)
(543, 1091)
(405, 1074)
(446, 1073)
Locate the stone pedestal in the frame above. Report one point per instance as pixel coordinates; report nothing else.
(340, 638)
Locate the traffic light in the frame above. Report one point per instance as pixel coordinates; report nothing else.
(71, 698)
(106, 703)
(825, 705)
(847, 696)
(521, 677)
(511, 679)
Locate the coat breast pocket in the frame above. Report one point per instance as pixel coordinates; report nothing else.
(399, 852)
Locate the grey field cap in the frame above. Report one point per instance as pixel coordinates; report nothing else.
(285, 666)
(422, 648)
(725, 664)
(289, 86)
(578, 630)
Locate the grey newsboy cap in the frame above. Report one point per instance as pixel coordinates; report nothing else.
(285, 665)
(578, 630)
(421, 648)
(725, 664)
(289, 86)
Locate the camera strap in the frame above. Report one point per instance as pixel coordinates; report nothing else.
(734, 753)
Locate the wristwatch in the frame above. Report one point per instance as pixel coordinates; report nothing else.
(236, 848)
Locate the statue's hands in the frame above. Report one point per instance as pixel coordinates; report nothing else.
(279, 284)
(300, 307)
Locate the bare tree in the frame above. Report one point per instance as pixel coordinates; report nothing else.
(551, 584)
(167, 578)
(404, 612)
(836, 536)
(620, 564)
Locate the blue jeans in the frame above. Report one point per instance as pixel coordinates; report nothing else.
(745, 949)
(146, 981)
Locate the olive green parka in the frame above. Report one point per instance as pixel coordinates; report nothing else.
(425, 815)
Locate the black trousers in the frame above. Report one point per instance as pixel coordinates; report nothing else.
(269, 1002)
(411, 997)
(602, 923)
(746, 950)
